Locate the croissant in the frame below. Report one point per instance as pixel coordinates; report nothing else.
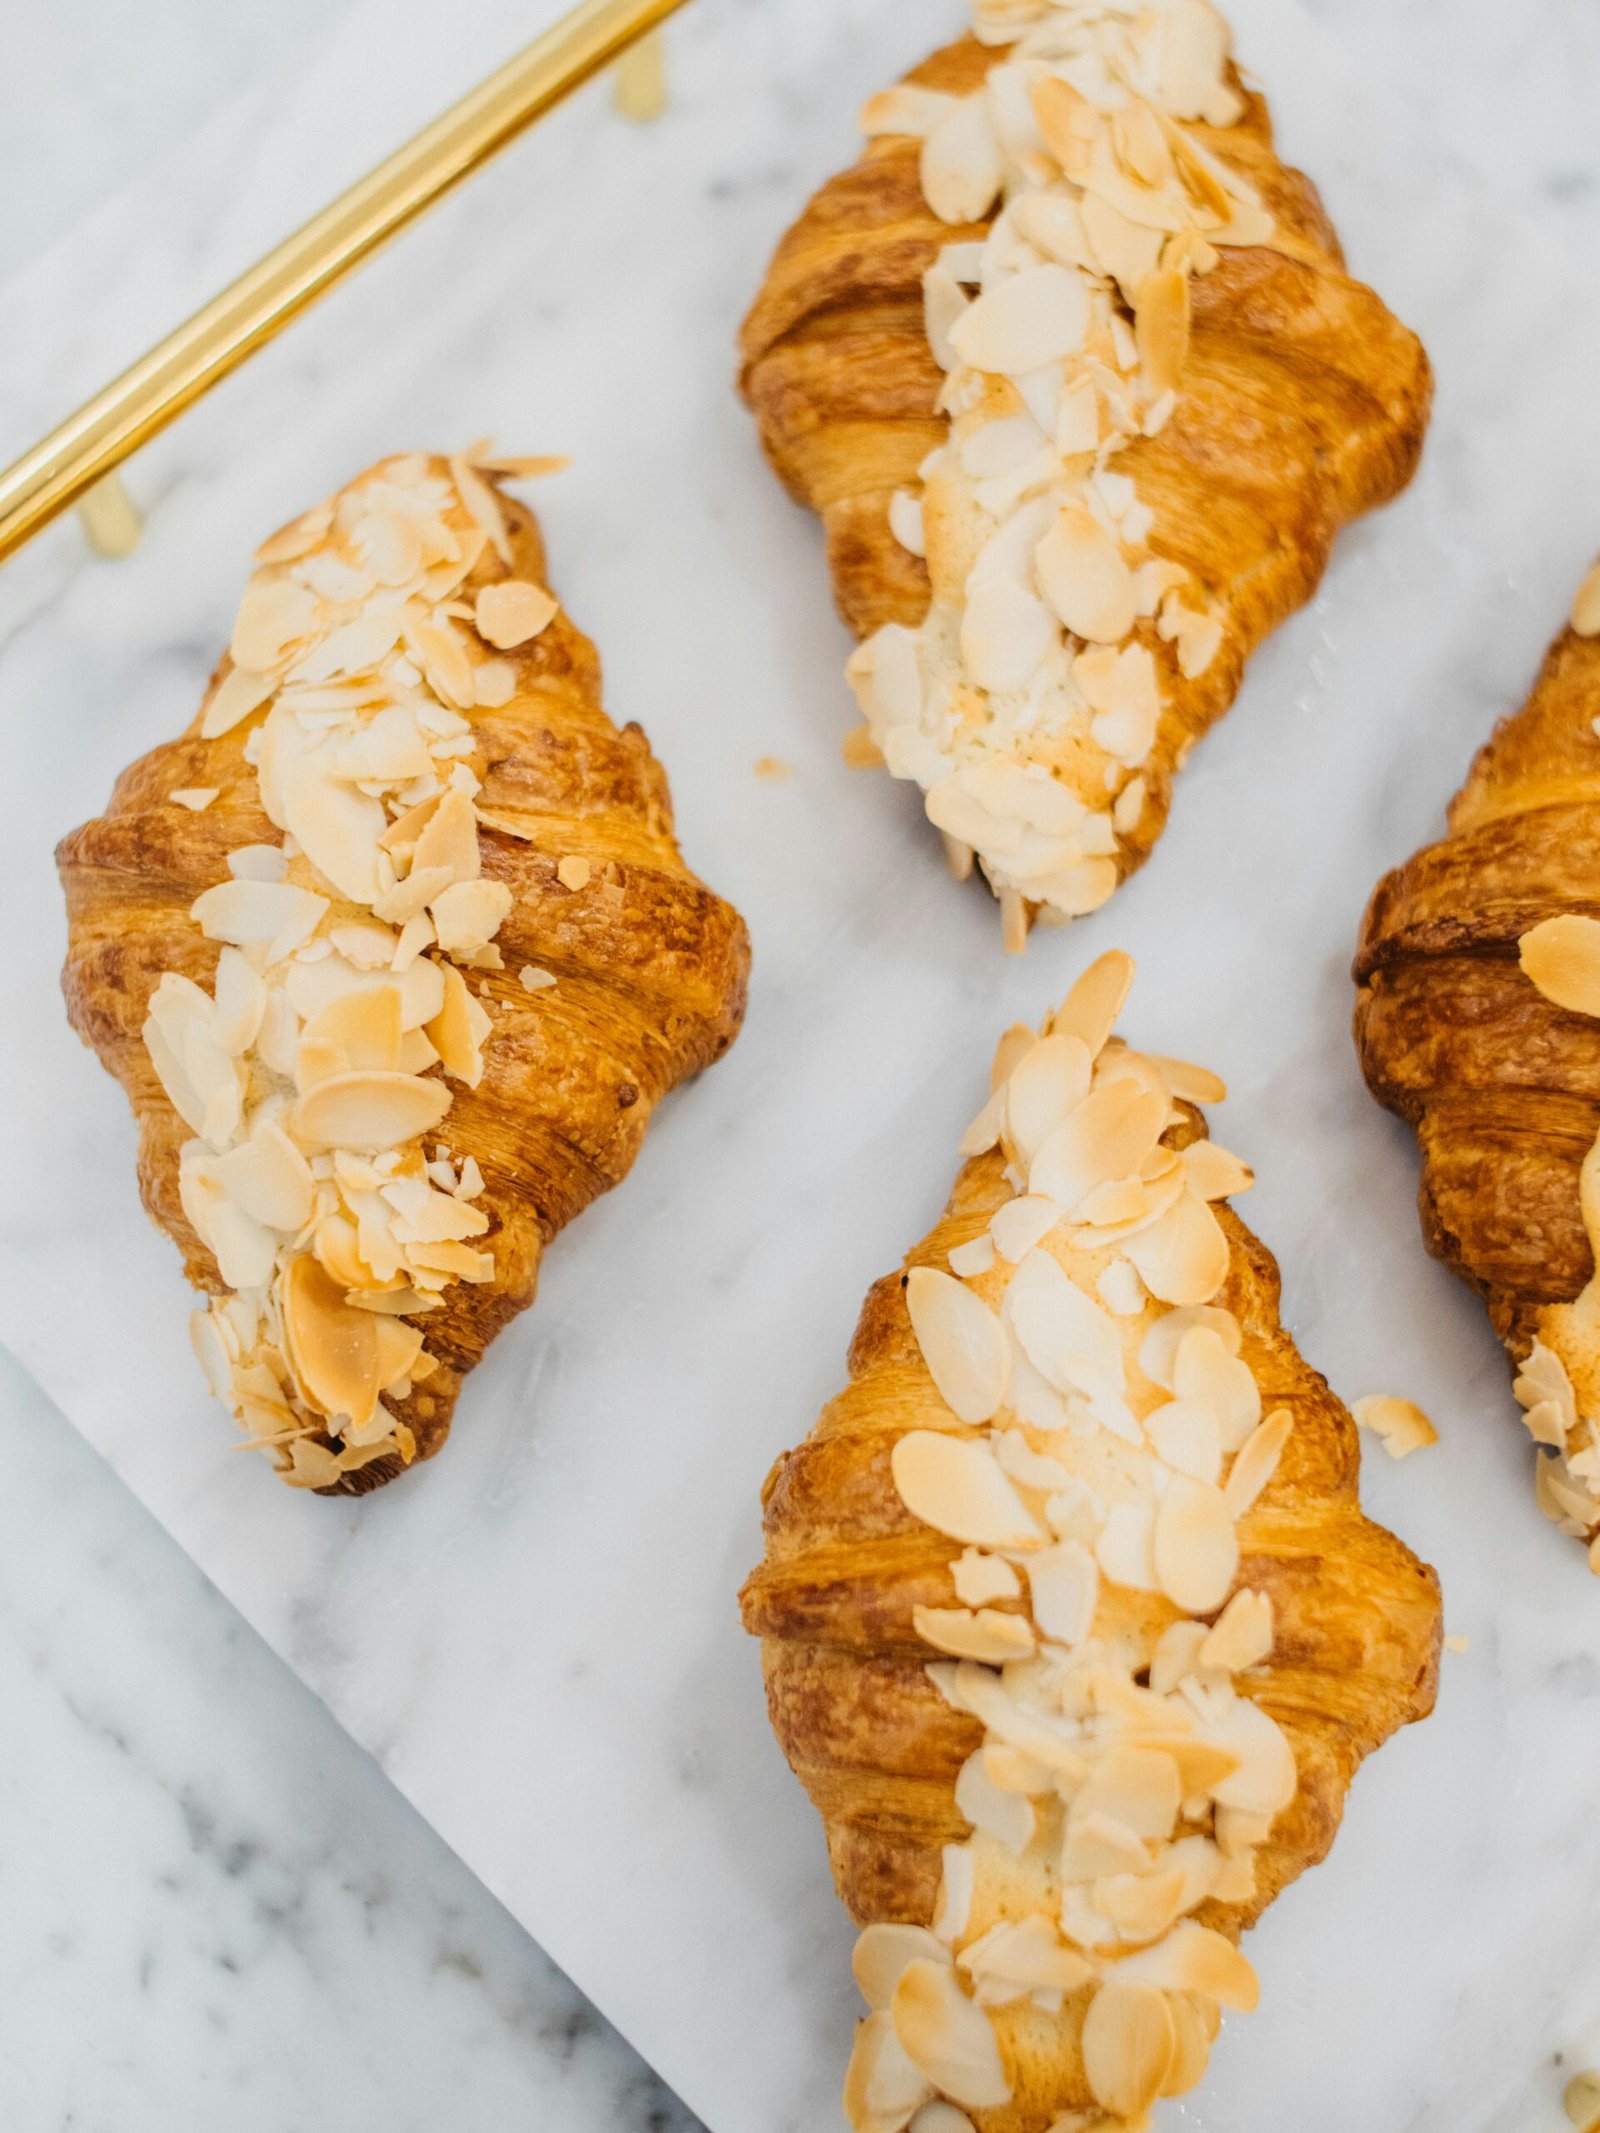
(1478, 979)
(1070, 367)
(1071, 1622)
(394, 954)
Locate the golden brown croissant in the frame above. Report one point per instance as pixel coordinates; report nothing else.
(394, 954)
(1479, 977)
(1064, 511)
(1079, 1455)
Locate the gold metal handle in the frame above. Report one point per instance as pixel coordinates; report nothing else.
(278, 288)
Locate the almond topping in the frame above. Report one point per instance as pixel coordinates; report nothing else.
(949, 2037)
(1562, 958)
(956, 1486)
(513, 612)
(962, 1343)
(1128, 2044)
(1401, 1424)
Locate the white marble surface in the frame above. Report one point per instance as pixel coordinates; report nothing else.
(492, 1604)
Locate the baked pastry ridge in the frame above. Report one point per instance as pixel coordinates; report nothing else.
(1072, 371)
(394, 954)
(1478, 1021)
(1072, 1624)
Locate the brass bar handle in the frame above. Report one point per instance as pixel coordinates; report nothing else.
(278, 288)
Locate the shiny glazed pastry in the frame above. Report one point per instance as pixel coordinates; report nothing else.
(1072, 1625)
(1071, 369)
(1478, 1021)
(394, 954)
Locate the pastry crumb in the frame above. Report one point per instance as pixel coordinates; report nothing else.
(772, 769)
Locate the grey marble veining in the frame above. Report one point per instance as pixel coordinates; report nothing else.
(264, 1935)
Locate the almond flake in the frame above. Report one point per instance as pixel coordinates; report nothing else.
(197, 798)
(1257, 1461)
(882, 1953)
(881, 2085)
(1064, 1583)
(1241, 1636)
(1184, 1258)
(956, 1486)
(1008, 1817)
(468, 915)
(1162, 328)
(370, 1111)
(1090, 1010)
(513, 612)
(1196, 1548)
(1050, 1081)
(534, 979)
(960, 163)
(1106, 1137)
(1401, 1424)
(459, 1029)
(860, 751)
(573, 873)
(1193, 1958)
(1561, 956)
(949, 2037)
(1084, 577)
(334, 1349)
(979, 1578)
(974, 1257)
(274, 616)
(1034, 318)
(962, 1343)
(988, 1636)
(1128, 2044)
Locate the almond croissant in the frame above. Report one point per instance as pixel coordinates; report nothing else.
(394, 954)
(1478, 1021)
(1071, 369)
(1072, 1625)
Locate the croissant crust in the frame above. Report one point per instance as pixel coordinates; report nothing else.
(650, 967)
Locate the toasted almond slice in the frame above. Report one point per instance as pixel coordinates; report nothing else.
(905, 109)
(459, 1029)
(1257, 1461)
(274, 617)
(1008, 1817)
(1128, 250)
(1586, 605)
(1195, 1959)
(1561, 956)
(1241, 1636)
(1140, 144)
(960, 162)
(955, 1485)
(1097, 1845)
(1138, 1787)
(1071, 1340)
(1193, 1084)
(1214, 1173)
(333, 1348)
(1021, 1224)
(1048, 1082)
(312, 1465)
(483, 507)
(1067, 120)
(1194, 58)
(1162, 328)
(1401, 1424)
(962, 1343)
(1128, 2045)
(239, 692)
(274, 914)
(881, 1954)
(299, 537)
(573, 872)
(1084, 577)
(1091, 1008)
(449, 839)
(368, 1111)
(513, 612)
(1266, 1778)
(468, 914)
(1196, 1548)
(1064, 1584)
(1205, 1370)
(363, 1027)
(988, 1636)
(980, 1578)
(1107, 1136)
(949, 2037)
(269, 1178)
(881, 2085)
(1035, 317)
(1184, 1258)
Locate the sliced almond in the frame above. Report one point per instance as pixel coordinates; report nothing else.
(1064, 1585)
(513, 612)
(1561, 956)
(882, 1953)
(1035, 317)
(962, 1343)
(1138, 1787)
(1106, 1137)
(988, 1636)
(1257, 1461)
(881, 2085)
(949, 2037)
(334, 1349)
(1128, 2045)
(1401, 1424)
(955, 1485)
(1008, 1817)
(1266, 1779)
(1084, 577)
(1162, 328)
(370, 1111)
(1241, 1636)
(1195, 1959)
(1091, 1008)
(960, 162)
(1184, 1258)
(1049, 1082)
(468, 914)
(449, 839)
(1196, 1548)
